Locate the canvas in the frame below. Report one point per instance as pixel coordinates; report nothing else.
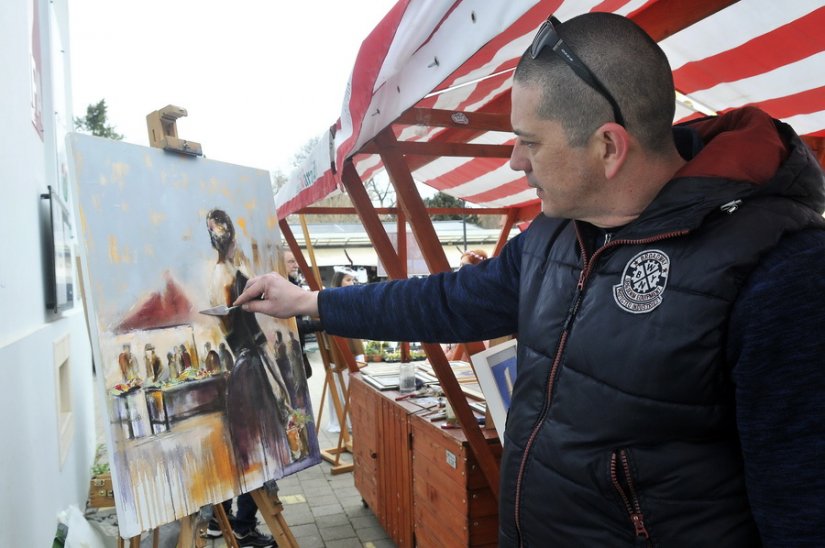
(496, 371)
(200, 408)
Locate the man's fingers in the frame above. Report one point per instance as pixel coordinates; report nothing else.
(253, 290)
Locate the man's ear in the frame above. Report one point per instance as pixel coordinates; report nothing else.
(613, 144)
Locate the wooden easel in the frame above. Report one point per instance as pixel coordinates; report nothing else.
(335, 365)
(334, 371)
(163, 134)
(191, 527)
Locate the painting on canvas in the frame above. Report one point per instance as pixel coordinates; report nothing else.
(496, 372)
(201, 407)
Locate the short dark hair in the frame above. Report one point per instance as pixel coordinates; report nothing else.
(628, 63)
(221, 243)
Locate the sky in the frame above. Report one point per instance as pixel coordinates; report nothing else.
(259, 78)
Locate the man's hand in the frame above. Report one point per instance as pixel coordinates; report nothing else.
(274, 295)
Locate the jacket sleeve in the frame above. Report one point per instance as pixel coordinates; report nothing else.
(307, 325)
(778, 349)
(475, 303)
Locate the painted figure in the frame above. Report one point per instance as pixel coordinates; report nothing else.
(128, 364)
(255, 386)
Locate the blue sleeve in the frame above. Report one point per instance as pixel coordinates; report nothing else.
(778, 347)
(475, 303)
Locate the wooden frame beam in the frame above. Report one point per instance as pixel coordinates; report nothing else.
(500, 106)
(439, 148)
(422, 228)
(432, 117)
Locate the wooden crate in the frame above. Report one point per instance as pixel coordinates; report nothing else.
(454, 506)
(101, 494)
(422, 482)
(381, 452)
(363, 403)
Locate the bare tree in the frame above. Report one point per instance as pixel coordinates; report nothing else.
(381, 192)
(304, 152)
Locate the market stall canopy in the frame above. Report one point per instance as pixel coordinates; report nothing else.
(430, 59)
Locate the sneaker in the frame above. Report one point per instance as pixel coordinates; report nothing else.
(213, 530)
(253, 537)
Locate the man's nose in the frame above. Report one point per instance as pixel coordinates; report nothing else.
(518, 160)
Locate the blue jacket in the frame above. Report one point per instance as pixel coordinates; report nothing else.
(772, 353)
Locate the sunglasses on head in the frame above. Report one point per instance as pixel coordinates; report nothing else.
(547, 36)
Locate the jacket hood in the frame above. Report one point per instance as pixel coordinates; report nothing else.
(741, 154)
(741, 145)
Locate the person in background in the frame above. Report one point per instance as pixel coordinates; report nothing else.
(306, 325)
(472, 256)
(244, 521)
(669, 303)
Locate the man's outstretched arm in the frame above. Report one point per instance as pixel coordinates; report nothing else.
(478, 302)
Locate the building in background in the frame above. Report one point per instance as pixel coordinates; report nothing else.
(346, 244)
(47, 411)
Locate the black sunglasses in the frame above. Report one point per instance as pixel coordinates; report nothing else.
(547, 35)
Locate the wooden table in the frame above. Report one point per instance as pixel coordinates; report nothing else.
(421, 481)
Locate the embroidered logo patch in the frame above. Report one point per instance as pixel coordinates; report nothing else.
(643, 282)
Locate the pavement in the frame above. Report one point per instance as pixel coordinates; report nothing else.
(322, 510)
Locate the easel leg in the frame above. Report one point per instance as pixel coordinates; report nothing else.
(323, 399)
(272, 511)
(226, 527)
(189, 533)
(344, 442)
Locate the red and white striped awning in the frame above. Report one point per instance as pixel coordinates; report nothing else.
(460, 55)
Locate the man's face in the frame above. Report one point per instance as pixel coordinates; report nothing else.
(565, 177)
(220, 235)
(291, 263)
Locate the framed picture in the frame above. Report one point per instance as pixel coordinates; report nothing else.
(496, 372)
(58, 254)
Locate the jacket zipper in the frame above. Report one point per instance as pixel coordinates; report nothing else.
(587, 267)
(629, 495)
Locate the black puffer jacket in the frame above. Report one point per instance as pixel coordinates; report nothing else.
(622, 430)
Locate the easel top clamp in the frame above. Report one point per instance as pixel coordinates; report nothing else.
(163, 131)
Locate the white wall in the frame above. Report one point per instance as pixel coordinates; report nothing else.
(34, 483)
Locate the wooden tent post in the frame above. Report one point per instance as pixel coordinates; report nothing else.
(509, 221)
(386, 252)
(401, 247)
(310, 250)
